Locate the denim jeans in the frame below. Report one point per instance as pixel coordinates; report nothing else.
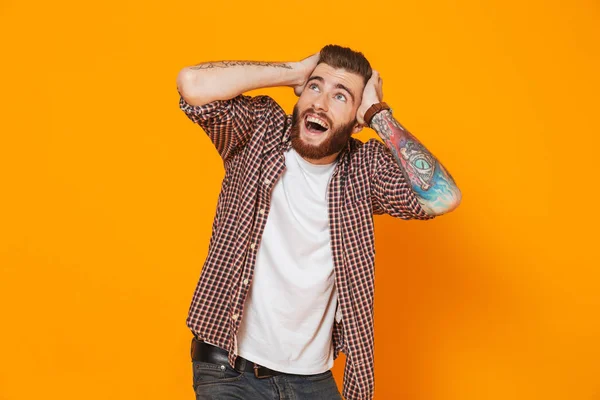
(221, 382)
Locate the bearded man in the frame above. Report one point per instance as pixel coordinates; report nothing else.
(289, 278)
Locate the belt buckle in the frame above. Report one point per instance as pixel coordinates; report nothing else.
(256, 374)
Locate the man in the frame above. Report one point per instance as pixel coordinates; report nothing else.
(288, 281)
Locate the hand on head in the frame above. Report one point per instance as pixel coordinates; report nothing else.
(308, 65)
(372, 94)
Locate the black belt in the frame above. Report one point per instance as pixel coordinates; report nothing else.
(202, 351)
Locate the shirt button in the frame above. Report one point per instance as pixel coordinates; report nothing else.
(234, 317)
(252, 246)
(261, 211)
(267, 181)
(246, 281)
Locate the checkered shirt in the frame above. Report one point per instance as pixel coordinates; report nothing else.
(251, 134)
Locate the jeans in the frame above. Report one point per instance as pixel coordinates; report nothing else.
(221, 382)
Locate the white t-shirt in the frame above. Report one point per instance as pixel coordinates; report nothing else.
(288, 316)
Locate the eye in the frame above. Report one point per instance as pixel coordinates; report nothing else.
(313, 86)
(340, 97)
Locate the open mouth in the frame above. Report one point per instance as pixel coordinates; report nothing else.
(315, 125)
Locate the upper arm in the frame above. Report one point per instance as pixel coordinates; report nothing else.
(390, 192)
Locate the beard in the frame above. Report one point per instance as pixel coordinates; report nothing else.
(335, 142)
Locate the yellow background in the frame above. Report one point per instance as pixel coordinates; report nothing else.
(108, 191)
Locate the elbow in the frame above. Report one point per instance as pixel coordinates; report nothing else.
(455, 201)
(448, 204)
(192, 88)
(183, 82)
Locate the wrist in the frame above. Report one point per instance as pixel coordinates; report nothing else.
(373, 110)
(297, 74)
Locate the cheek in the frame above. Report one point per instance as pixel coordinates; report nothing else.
(343, 115)
(303, 102)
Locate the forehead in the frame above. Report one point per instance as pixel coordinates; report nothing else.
(333, 76)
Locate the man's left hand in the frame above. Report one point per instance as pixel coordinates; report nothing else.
(372, 94)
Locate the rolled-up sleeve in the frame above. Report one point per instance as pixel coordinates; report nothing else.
(391, 193)
(228, 123)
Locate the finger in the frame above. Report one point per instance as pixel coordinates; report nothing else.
(375, 76)
(380, 87)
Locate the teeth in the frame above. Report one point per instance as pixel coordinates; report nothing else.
(317, 121)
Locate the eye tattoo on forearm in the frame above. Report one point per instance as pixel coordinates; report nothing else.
(419, 165)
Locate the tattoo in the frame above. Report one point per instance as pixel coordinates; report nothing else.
(432, 184)
(228, 64)
(422, 162)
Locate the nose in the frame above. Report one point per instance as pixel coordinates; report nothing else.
(320, 102)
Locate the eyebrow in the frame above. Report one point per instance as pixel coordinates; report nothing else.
(338, 86)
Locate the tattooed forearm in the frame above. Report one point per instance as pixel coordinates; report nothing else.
(228, 64)
(433, 185)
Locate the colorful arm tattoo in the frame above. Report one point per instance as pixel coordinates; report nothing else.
(433, 185)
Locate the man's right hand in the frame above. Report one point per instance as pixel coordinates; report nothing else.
(307, 66)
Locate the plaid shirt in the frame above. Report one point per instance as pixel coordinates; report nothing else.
(251, 134)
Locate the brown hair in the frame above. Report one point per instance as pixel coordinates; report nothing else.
(345, 58)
